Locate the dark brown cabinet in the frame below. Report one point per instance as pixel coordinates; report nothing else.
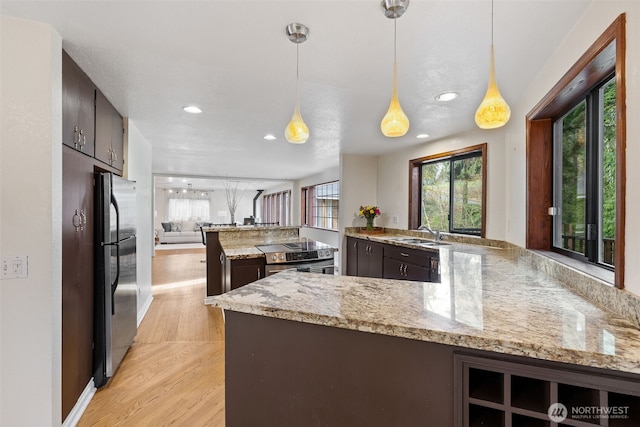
(352, 256)
(78, 108)
(406, 264)
(215, 264)
(369, 258)
(77, 276)
(394, 269)
(245, 271)
(109, 133)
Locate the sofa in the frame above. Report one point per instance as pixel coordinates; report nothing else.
(180, 232)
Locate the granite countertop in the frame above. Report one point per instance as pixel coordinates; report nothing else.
(246, 248)
(489, 299)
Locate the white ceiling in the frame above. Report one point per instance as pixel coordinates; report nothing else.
(234, 60)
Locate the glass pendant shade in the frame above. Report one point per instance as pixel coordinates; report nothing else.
(296, 131)
(395, 123)
(493, 111)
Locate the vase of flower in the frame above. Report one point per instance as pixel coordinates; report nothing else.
(369, 223)
(369, 213)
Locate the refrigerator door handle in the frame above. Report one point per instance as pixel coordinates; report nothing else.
(114, 285)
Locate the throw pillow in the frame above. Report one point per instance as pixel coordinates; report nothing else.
(166, 226)
(175, 226)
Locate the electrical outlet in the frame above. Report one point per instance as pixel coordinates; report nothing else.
(394, 219)
(14, 267)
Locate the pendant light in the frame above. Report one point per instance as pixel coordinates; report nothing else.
(493, 111)
(297, 131)
(395, 123)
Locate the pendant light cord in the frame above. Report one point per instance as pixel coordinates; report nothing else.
(395, 55)
(491, 22)
(297, 74)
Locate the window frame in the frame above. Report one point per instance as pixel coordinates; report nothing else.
(604, 56)
(415, 185)
(276, 207)
(307, 211)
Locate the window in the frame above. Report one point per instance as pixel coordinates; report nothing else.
(188, 206)
(576, 143)
(448, 191)
(276, 207)
(584, 181)
(320, 205)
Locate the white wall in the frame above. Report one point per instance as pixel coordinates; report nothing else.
(599, 15)
(358, 186)
(30, 222)
(139, 170)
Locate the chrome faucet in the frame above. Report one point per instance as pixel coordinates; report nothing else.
(436, 233)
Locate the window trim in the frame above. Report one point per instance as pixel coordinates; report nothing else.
(605, 55)
(415, 184)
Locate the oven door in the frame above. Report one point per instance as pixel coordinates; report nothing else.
(324, 266)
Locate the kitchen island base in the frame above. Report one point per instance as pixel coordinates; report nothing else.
(289, 373)
(285, 373)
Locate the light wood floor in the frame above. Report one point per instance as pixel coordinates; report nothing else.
(174, 372)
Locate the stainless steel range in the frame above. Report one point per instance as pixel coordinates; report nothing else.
(305, 255)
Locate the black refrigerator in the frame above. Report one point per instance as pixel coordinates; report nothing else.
(115, 304)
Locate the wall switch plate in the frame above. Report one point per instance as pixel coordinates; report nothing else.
(394, 219)
(14, 267)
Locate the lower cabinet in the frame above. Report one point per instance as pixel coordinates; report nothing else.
(371, 259)
(364, 258)
(500, 393)
(245, 271)
(394, 269)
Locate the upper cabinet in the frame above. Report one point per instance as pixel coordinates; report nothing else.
(78, 107)
(90, 123)
(109, 133)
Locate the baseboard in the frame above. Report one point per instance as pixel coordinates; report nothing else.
(144, 309)
(80, 406)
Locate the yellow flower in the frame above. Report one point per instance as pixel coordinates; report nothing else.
(371, 211)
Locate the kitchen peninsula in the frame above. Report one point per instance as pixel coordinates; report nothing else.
(496, 340)
(240, 255)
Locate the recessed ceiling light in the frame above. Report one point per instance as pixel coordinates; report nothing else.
(446, 96)
(423, 135)
(269, 137)
(192, 109)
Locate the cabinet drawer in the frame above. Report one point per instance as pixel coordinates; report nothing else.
(394, 269)
(407, 255)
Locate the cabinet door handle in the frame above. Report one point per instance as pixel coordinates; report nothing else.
(77, 221)
(258, 274)
(355, 245)
(82, 139)
(403, 254)
(404, 271)
(76, 137)
(221, 259)
(83, 219)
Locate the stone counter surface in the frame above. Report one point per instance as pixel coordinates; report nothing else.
(489, 299)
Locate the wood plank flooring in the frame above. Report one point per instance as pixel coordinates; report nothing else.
(174, 372)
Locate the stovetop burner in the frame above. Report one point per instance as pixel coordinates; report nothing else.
(304, 250)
